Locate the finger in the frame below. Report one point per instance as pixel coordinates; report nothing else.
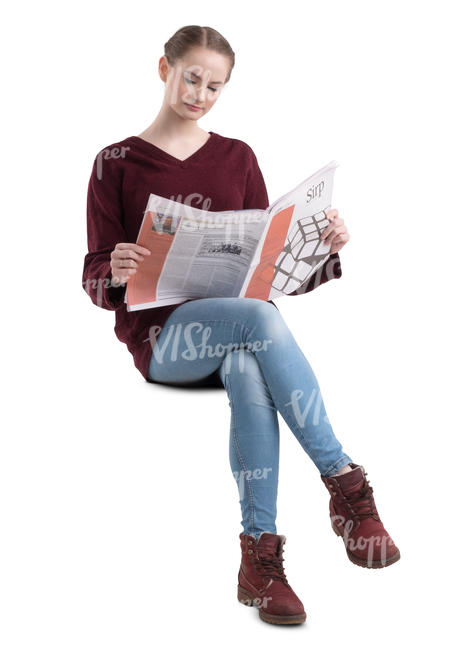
(334, 233)
(336, 248)
(141, 249)
(134, 247)
(125, 263)
(329, 240)
(126, 253)
(340, 240)
(336, 221)
(327, 230)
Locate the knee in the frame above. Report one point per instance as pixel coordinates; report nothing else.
(259, 307)
(266, 321)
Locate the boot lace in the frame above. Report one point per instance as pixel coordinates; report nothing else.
(269, 565)
(361, 502)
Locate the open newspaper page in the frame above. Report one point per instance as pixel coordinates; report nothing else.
(291, 249)
(194, 253)
(238, 253)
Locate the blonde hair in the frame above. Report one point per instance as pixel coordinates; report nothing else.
(194, 35)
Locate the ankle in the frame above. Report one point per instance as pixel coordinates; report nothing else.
(343, 470)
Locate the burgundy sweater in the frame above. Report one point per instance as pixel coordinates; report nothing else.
(223, 174)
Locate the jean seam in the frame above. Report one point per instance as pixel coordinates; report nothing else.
(239, 455)
(342, 459)
(200, 320)
(281, 408)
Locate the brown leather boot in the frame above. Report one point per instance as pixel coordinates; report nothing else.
(262, 581)
(354, 517)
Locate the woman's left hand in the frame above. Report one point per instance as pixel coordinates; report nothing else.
(336, 232)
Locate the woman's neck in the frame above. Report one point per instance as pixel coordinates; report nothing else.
(168, 128)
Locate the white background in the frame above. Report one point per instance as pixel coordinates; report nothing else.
(119, 514)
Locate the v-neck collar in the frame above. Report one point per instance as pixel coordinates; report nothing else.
(157, 151)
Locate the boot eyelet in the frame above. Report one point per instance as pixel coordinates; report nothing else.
(249, 541)
(250, 551)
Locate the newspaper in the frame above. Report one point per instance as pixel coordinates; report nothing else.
(250, 253)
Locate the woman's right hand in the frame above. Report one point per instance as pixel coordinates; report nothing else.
(124, 261)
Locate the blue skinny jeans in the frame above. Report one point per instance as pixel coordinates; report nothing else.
(245, 345)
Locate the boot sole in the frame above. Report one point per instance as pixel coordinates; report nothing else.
(244, 596)
(374, 564)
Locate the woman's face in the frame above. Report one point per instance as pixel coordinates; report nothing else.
(197, 80)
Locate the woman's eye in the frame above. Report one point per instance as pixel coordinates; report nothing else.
(190, 81)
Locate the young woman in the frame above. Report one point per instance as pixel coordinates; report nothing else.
(241, 344)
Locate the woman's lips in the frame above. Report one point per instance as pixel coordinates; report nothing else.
(193, 108)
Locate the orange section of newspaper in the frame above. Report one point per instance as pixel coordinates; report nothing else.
(261, 280)
(142, 286)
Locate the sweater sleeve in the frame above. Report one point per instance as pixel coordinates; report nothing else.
(329, 270)
(104, 230)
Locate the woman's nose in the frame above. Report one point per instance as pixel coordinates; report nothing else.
(200, 94)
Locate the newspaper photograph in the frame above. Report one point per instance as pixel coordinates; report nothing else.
(249, 253)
